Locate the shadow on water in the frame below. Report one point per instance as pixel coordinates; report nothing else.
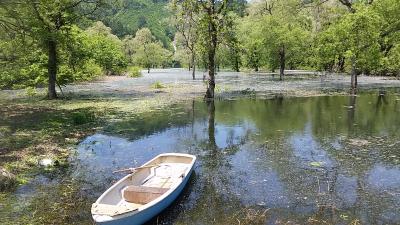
(332, 160)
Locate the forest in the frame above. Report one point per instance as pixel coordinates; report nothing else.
(54, 43)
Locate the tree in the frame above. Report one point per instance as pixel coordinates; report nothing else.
(186, 20)
(251, 41)
(355, 37)
(389, 37)
(211, 14)
(280, 32)
(106, 48)
(230, 40)
(148, 52)
(48, 22)
(212, 20)
(360, 36)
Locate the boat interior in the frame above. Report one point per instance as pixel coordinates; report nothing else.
(146, 184)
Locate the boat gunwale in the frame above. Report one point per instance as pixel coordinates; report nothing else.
(155, 201)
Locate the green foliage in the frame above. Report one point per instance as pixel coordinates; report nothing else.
(84, 56)
(251, 41)
(134, 71)
(157, 85)
(31, 91)
(82, 117)
(323, 36)
(126, 17)
(145, 51)
(19, 66)
(355, 37)
(106, 49)
(281, 36)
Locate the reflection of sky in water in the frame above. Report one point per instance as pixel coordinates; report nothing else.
(385, 178)
(284, 180)
(307, 149)
(257, 184)
(346, 191)
(103, 153)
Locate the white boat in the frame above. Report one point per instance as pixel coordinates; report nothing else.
(146, 192)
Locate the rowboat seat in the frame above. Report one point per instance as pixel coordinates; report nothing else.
(142, 194)
(113, 210)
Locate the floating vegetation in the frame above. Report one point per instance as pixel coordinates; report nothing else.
(316, 164)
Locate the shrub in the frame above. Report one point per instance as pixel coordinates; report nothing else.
(134, 71)
(82, 117)
(91, 70)
(31, 91)
(158, 85)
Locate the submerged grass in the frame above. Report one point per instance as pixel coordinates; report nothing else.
(32, 128)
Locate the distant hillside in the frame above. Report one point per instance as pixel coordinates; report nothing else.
(125, 17)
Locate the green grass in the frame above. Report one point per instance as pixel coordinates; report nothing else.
(158, 85)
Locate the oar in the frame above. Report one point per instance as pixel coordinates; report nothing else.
(133, 169)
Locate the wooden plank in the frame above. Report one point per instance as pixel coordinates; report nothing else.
(112, 210)
(142, 194)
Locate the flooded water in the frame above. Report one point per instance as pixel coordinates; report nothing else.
(318, 160)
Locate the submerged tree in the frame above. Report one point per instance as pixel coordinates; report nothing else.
(186, 19)
(211, 14)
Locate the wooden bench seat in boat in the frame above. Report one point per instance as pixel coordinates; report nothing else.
(113, 210)
(142, 194)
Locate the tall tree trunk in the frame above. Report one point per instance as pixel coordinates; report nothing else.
(193, 62)
(148, 69)
(341, 64)
(282, 62)
(52, 68)
(353, 75)
(236, 65)
(211, 61)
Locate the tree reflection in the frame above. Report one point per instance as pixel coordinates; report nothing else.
(351, 113)
(211, 125)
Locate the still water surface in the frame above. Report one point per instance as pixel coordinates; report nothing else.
(314, 160)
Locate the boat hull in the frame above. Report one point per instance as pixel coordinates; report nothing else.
(147, 214)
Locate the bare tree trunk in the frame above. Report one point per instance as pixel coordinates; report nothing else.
(211, 61)
(237, 67)
(148, 69)
(341, 64)
(282, 62)
(52, 69)
(193, 66)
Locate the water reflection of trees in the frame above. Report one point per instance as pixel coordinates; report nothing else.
(214, 196)
(331, 118)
